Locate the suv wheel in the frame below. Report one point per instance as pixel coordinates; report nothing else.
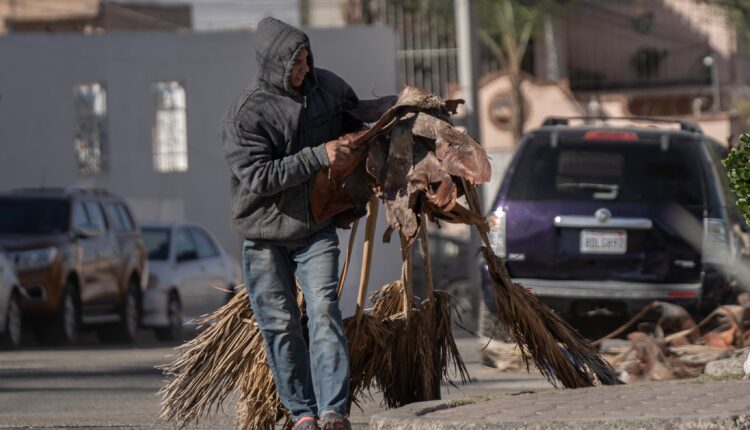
(65, 325)
(126, 329)
(174, 315)
(13, 323)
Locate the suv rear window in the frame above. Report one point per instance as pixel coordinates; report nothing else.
(608, 171)
(33, 216)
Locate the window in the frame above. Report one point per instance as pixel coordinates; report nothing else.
(206, 247)
(90, 139)
(170, 128)
(114, 217)
(95, 212)
(80, 217)
(127, 220)
(33, 216)
(157, 243)
(184, 246)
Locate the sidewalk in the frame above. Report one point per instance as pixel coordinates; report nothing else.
(687, 404)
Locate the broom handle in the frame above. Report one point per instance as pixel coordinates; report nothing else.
(347, 260)
(406, 276)
(426, 257)
(364, 275)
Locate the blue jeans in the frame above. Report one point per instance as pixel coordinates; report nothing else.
(309, 381)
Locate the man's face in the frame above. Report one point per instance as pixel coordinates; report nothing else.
(299, 69)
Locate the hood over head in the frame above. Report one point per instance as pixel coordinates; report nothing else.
(278, 44)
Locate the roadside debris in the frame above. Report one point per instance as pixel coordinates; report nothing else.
(665, 343)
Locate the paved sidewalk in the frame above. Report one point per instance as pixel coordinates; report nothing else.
(690, 404)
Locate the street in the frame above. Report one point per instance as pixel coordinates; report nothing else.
(95, 386)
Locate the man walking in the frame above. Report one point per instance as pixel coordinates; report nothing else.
(281, 130)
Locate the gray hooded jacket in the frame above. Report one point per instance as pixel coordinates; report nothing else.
(274, 137)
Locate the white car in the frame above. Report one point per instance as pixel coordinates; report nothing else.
(190, 275)
(11, 321)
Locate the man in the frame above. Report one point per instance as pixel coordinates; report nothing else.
(281, 131)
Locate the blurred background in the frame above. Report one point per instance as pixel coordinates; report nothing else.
(126, 96)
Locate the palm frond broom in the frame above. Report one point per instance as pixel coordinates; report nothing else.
(367, 335)
(559, 351)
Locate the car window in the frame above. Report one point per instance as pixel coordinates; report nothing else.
(157, 243)
(608, 171)
(127, 220)
(33, 216)
(80, 216)
(184, 245)
(114, 217)
(206, 246)
(95, 214)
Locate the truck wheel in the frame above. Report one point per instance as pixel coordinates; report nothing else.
(125, 330)
(174, 314)
(65, 326)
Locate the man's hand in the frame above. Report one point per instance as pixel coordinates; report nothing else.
(339, 152)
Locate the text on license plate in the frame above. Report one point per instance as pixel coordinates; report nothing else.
(604, 241)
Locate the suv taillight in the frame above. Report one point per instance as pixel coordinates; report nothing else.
(497, 232)
(716, 244)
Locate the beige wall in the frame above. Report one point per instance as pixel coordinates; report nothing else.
(46, 9)
(544, 100)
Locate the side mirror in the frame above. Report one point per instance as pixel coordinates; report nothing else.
(88, 231)
(187, 256)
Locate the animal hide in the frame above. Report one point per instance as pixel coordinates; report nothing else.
(414, 160)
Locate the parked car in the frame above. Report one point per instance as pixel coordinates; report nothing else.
(190, 275)
(80, 261)
(600, 219)
(11, 320)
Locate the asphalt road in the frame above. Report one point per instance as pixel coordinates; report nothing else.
(95, 386)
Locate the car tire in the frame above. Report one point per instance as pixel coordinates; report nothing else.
(173, 331)
(125, 330)
(65, 326)
(13, 334)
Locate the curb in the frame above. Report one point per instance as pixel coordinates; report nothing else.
(410, 417)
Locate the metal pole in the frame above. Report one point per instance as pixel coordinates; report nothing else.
(715, 84)
(468, 77)
(466, 42)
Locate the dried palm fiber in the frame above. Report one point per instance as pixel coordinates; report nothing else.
(672, 318)
(440, 308)
(412, 375)
(367, 335)
(227, 357)
(562, 355)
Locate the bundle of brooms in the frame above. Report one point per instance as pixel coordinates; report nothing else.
(418, 165)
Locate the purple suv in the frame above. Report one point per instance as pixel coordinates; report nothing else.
(601, 220)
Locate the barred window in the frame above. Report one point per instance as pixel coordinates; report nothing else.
(170, 128)
(90, 139)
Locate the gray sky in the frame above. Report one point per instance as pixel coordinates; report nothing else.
(237, 14)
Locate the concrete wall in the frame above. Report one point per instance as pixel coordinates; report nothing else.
(39, 71)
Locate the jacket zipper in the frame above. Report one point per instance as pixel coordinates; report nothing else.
(308, 223)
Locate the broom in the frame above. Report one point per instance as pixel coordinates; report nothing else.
(440, 307)
(227, 356)
(367, 335)
(561, 353)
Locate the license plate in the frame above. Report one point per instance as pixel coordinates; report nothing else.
(604, 241)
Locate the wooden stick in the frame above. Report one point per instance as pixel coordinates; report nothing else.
(426, 258)
(347, 259)
(406, 276)
(364, 274)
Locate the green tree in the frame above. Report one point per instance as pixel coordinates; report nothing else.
(505, 28)
(739, 15)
